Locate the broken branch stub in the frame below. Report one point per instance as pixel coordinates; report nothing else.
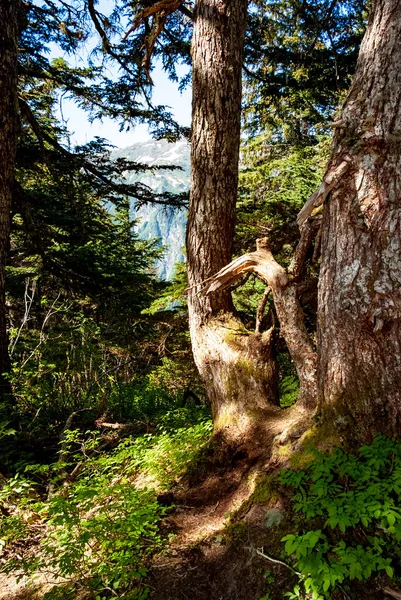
(260, 262)
(331, 178)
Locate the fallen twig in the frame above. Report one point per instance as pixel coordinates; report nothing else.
(274, 560)
(393, 593)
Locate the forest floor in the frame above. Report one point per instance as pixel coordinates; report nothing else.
(199, 560)
(221, 517)
(227, 527)
(226, 519)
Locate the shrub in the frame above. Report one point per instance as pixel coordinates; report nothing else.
(355, 500)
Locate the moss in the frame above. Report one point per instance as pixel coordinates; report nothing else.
(321, 437)
(234, 338)
(248, 367)
(235, 532)
(285, 450)
(266, 490)
(300, 460)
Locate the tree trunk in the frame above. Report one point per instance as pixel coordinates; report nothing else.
(238, 368)
(8, 140)
(359, 316)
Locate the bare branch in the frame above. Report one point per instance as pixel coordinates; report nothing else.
(103, 36)
(308, 232)
(333, 175)
(261, 309)
(393, 593)
(160, 12)
(28, 300)
(288, 309)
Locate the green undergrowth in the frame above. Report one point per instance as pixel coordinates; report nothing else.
(288, 381)
(91, 520)
(348, 513)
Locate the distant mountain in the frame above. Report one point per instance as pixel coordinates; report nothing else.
(165, 223)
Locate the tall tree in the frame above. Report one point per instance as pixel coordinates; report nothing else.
(9, 13)
(359, 333)
(359, 344)
(237, 366)
(238, 369)
(27, 109)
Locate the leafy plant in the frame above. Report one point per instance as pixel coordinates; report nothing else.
(356, 500)
(100, 521)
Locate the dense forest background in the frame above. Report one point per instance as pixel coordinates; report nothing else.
(125, 471)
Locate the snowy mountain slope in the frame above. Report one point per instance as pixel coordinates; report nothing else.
(165, 223)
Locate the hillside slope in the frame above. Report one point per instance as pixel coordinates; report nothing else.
(165, 223)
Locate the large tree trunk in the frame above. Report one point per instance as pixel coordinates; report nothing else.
(9, 10)
(359, 320)
(238, 368)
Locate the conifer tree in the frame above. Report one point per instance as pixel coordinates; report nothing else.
(9, 15)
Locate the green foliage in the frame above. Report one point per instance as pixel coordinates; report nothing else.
(269, 578)
(174, 294)
(288, 382)
(246, 300)
(354, 499)
(288, 390)
(300, 57)
(274, 182)
(100, 522)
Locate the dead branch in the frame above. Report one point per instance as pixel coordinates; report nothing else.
(298, 262)
(317, 245)
(160, 12)
(107, 47)
(67, 426)
(241, 281)
(393, 593)
(261, 309)
(260, 262)
(333, 175)
(271, 559)
(288, 309)
(125, 426)
(28, 301)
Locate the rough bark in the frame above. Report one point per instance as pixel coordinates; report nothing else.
(238, 368)
(359, 317)
(9, 10)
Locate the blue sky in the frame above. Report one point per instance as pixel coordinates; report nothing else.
(165, 92)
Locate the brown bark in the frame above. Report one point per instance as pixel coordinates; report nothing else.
(9, 10)
(217, 49)
(238, 368)
(359, 318)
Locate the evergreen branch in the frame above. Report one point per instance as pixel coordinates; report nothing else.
(142, 193)
(105, 40)
(160, 11)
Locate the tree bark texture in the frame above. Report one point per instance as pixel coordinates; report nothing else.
(9, 11)
(359, 316)
(238, 368)
(217, 53)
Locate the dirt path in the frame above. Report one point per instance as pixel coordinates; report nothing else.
(204, 560)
